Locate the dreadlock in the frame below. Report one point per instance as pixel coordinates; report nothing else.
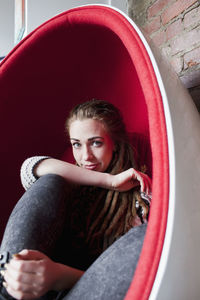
(120, 208)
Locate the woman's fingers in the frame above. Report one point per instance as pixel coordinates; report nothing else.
(29, 261)
(19, 289)
(147, 184)
(19, 294)
(131, 178)
(15, 294)
(145, 181)
(11, 274)
(26, 254)
(25, 266)
(18, 285)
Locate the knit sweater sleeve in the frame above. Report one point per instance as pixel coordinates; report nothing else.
(27, 170)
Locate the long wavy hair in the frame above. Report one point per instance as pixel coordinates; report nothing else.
(120, 208)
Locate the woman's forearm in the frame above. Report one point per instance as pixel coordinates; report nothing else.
(73, 174)
(36, 167)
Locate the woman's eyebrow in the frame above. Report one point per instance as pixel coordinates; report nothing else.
(90, 139)
(95, 137)
(77, 140)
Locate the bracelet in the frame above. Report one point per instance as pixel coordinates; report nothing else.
(27, 170)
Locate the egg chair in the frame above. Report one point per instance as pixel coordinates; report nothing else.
(95, 51)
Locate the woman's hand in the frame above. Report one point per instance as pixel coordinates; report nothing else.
(30, 274)
(130, 178)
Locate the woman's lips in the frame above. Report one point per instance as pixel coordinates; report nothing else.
(91, 166)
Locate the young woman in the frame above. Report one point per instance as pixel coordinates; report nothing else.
(72, 213)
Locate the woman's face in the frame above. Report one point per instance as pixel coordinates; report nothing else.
(92, 146)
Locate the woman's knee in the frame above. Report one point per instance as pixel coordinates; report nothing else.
(100, 280)
(48, 187)
(50, 181)
(38, 217)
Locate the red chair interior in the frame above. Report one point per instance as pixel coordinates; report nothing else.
(88, 52)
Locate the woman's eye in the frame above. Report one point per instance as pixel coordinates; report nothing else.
(97, 143)
(76, 145)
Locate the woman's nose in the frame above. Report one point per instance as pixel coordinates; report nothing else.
(87, 153)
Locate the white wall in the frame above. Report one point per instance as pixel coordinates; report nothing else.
(37, 12)
(121, 4)
(7, 10)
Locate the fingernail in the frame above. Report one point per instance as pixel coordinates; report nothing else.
(16, 255)
(5, 284)
(2, 272)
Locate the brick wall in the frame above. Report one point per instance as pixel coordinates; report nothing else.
(174, 26)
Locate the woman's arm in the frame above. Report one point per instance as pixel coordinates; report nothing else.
(30, 274)
(74, 174)
(36, 167)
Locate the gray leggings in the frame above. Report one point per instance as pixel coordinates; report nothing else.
(38, 222)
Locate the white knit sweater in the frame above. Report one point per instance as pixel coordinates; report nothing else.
(27, 170)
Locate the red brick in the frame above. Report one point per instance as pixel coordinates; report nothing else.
(186, 40)
(174, 29)
(159, 38)
(157, 7)
(152, 26)
(175, 9)
(192, 17)
(192, 58)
